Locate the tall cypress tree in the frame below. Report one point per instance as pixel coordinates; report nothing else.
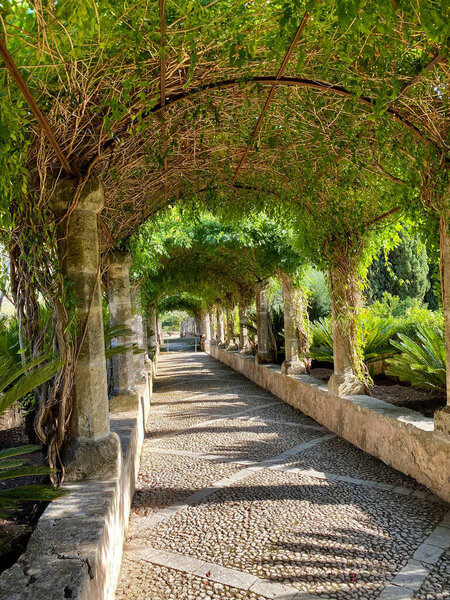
(403, 272)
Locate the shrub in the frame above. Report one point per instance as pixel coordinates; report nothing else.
(319, 301)
(376, 335)
(421, 361)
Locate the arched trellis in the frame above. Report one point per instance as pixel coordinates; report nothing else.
(274, 81)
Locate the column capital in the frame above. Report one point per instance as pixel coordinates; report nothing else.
(92, 197)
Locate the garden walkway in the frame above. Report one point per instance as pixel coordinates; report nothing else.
(241, 496)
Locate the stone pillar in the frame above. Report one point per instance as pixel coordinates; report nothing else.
(344, 300)
(91, 449)
(264, 355)
(292, 364)
(139, 341)
(152, 330)
(230, 342)
(244, 342)
(124, 395)
(442, 417)
(211, 326)
(220, 332)
(159, 335)
(204, 328)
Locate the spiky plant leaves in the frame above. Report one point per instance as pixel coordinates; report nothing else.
(26, 383)
(18, 451)
(421, 362)
(23, 471)
(322, 340)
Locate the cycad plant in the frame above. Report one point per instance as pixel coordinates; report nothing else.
(421, 361)
(376, 334)
(17, 380)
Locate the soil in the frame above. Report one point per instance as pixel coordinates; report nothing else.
(16, 530)
(396, 393)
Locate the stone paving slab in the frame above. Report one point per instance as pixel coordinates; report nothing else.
(240, 500)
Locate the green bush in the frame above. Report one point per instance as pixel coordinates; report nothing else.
(421, 361)
(319, 301)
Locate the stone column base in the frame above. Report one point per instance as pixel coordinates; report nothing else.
(442, 420)
(293, 367)
(92, 459)
(263, 358)
(345, 385)
(124, 401)
(232, 347)
(245, 351)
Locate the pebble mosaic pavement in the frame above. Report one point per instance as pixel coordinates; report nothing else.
(240, 496)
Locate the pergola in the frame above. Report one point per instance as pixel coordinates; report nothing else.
(130, 110)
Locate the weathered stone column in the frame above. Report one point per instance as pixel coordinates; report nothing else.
(230, 342)
(211, 326)
(220, 332)
(204, 328)
(264, 355)
(124, 395)
(292, 364)
(152, 330)
(244, 342)
(442, 417)
(91, 449)
(345, 297)
(139, 341)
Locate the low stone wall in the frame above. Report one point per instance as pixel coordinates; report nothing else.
(76, 549)
(402, 438)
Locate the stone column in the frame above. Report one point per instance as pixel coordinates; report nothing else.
(264, 355)
(91, 449)
(211, 326)
(204, 328)
(244, 342)
(139, 341)
(152, 331)
(292, 364)
(124, 395)
(220, 332)
(344, 301)
(442, 417)
(230, 343)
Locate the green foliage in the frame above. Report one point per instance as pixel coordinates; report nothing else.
(421, 361)
(193, 254)
(376, 334)
(319, 300)
(403, 272)
(322, 340)
(170, 320)
(113, 331)
(16, 381)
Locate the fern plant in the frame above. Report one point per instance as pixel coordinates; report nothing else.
(421, 362)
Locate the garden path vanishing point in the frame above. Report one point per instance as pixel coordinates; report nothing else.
(240, 496)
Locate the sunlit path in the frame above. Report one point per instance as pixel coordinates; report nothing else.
(241, 496)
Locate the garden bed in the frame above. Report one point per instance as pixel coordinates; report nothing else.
(16, 531)
(395, 393)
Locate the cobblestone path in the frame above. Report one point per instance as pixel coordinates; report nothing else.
(241, 496)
